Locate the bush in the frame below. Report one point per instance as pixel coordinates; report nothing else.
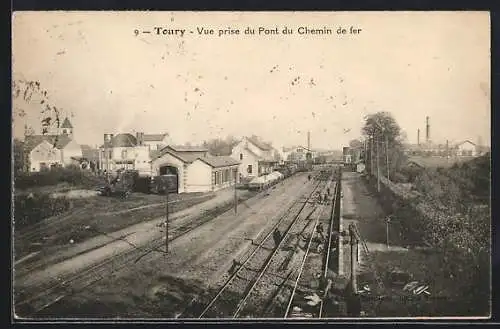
(71, 174)
(453, 215)
(31, 209)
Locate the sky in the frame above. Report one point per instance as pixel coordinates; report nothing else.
(196, 87)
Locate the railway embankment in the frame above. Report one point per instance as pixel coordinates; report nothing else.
(439, 243)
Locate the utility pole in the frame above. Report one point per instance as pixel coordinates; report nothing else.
(371, 155)
(354, 258)
(166, 220)
(387, 155)
(387, 222)
(447, 151)
(235, 193)
(378, 169)
(106, 155)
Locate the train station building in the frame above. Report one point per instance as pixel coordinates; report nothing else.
(196, 169)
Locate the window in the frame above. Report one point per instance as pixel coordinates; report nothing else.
(124, 154)
(249, 169)
(241, 156)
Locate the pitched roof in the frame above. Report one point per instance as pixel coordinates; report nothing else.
(183, 155)
(263, 146)
(301, 147)
(66, 124)
(58, 141)
(154, 137)
(260, 157)
(219, 161)
(186, 148)
(89, 152)
(465, 141)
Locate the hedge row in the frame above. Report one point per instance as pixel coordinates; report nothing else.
(31, 209)
(72, 175)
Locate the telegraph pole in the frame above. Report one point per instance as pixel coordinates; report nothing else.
(354, 258)
(235, 193)
(166, 221)
(447, 152)
(387, 155)
(387, 222)
(371, 155)
(378, 169)
(106, 155)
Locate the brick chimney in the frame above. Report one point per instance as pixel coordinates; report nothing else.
(418, 136)
(427, 130)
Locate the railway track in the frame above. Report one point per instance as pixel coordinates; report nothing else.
(252, 276)
(312, 311)
(270, 283)
(49, 294)
(283, 298)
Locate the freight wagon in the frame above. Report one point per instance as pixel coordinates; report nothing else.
(264, 181)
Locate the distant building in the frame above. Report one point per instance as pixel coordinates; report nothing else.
(153, 141)
(347, 156)
(49, 151)
(297, 153)
(126, 151)
(196, 170)
(255, 157)
(466, 148)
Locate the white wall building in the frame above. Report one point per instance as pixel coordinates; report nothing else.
(466, 148)
(255, 158)
(126, 151)
(196, 170)
(46, 151)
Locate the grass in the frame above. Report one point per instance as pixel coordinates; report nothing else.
(437, 161)
(150, 294)
(445, 299)
(93, 216)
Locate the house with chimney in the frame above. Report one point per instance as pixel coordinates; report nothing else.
(256, 158)
(195, 168)
(155, 142)
(57, 149)
(297, 153)
(125, 151)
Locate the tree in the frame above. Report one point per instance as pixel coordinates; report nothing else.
(385, 141)
(18, 155)
(30, 92)
(218, 146)
(355, 144)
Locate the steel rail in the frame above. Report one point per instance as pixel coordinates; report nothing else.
(149, 247)
(332, 220)
(301, 269)
(242, 302)
(258, 247)
(195, 298)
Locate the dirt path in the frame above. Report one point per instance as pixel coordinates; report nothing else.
(200, 256)
(360, 207)
(96, 249)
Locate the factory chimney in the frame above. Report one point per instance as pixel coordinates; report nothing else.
(309, 140)
(427, 130)
(418, 136)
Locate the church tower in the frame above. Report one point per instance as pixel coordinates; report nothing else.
(66, 128)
